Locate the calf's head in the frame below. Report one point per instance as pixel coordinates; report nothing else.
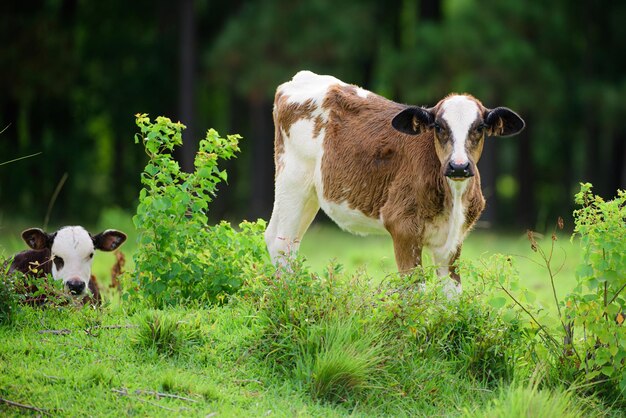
(459, 124)
(71, 252)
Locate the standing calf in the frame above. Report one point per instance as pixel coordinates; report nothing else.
(66, 254)
(376, 166)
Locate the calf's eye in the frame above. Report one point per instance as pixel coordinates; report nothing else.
(58, 262)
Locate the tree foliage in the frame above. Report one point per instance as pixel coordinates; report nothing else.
(75, 70)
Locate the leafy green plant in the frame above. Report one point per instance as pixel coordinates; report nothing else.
(596, 308)
(482, 340)
(179, 257)
(588, 340)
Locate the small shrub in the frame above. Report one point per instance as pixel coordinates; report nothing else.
(595, 311)
(179, 257)
(291, 303)
(479, 338)
(316, 330)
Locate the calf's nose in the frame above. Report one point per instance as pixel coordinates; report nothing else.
(462, 170)
(76, 286)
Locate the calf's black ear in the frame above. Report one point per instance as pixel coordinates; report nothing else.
(108, 240)
(502, 121)
(37, 239)
(413, 120)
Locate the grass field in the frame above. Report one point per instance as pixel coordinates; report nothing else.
(128, 360)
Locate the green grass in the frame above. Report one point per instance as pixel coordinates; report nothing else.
(292, 351)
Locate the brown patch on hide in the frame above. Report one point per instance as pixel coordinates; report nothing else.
(286, 114)
(371, 165)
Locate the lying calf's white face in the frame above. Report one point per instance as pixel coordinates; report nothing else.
(71, 252)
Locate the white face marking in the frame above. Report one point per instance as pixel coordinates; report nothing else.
(74, 246)
(459, 112)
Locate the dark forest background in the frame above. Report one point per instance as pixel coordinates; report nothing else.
(74, 72)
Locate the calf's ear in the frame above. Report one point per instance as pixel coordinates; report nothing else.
(37, 239)
(502, 121)
(413, 120)
(108, 240)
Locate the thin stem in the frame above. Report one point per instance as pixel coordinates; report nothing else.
(53, 200)
(24, 406)
(617, 294)
(20, 158)
(530, 315)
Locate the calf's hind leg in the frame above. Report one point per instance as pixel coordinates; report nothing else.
(295, 206)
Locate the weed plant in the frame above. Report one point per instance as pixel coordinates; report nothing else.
(179, 257)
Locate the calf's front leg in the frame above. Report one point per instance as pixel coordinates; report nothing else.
(408, 251)
(447, 270)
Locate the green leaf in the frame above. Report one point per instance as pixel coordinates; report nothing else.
(608, 371)
(497, 302)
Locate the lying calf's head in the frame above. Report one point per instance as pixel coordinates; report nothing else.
(71, 251)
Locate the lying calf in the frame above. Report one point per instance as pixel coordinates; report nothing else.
(66, 254)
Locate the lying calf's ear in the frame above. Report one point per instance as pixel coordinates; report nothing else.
(37, 239)
(108, 240)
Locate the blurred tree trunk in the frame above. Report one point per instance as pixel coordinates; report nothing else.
(262, 164)
(187, 82)
(525, 207)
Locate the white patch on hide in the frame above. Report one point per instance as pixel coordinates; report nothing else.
(362, 92)
(307, 85)
(448, 233)
(352, 220)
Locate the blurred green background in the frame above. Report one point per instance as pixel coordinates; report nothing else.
(74, 72)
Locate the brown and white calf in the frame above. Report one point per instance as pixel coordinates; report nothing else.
(66, 254)
(376, 166)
